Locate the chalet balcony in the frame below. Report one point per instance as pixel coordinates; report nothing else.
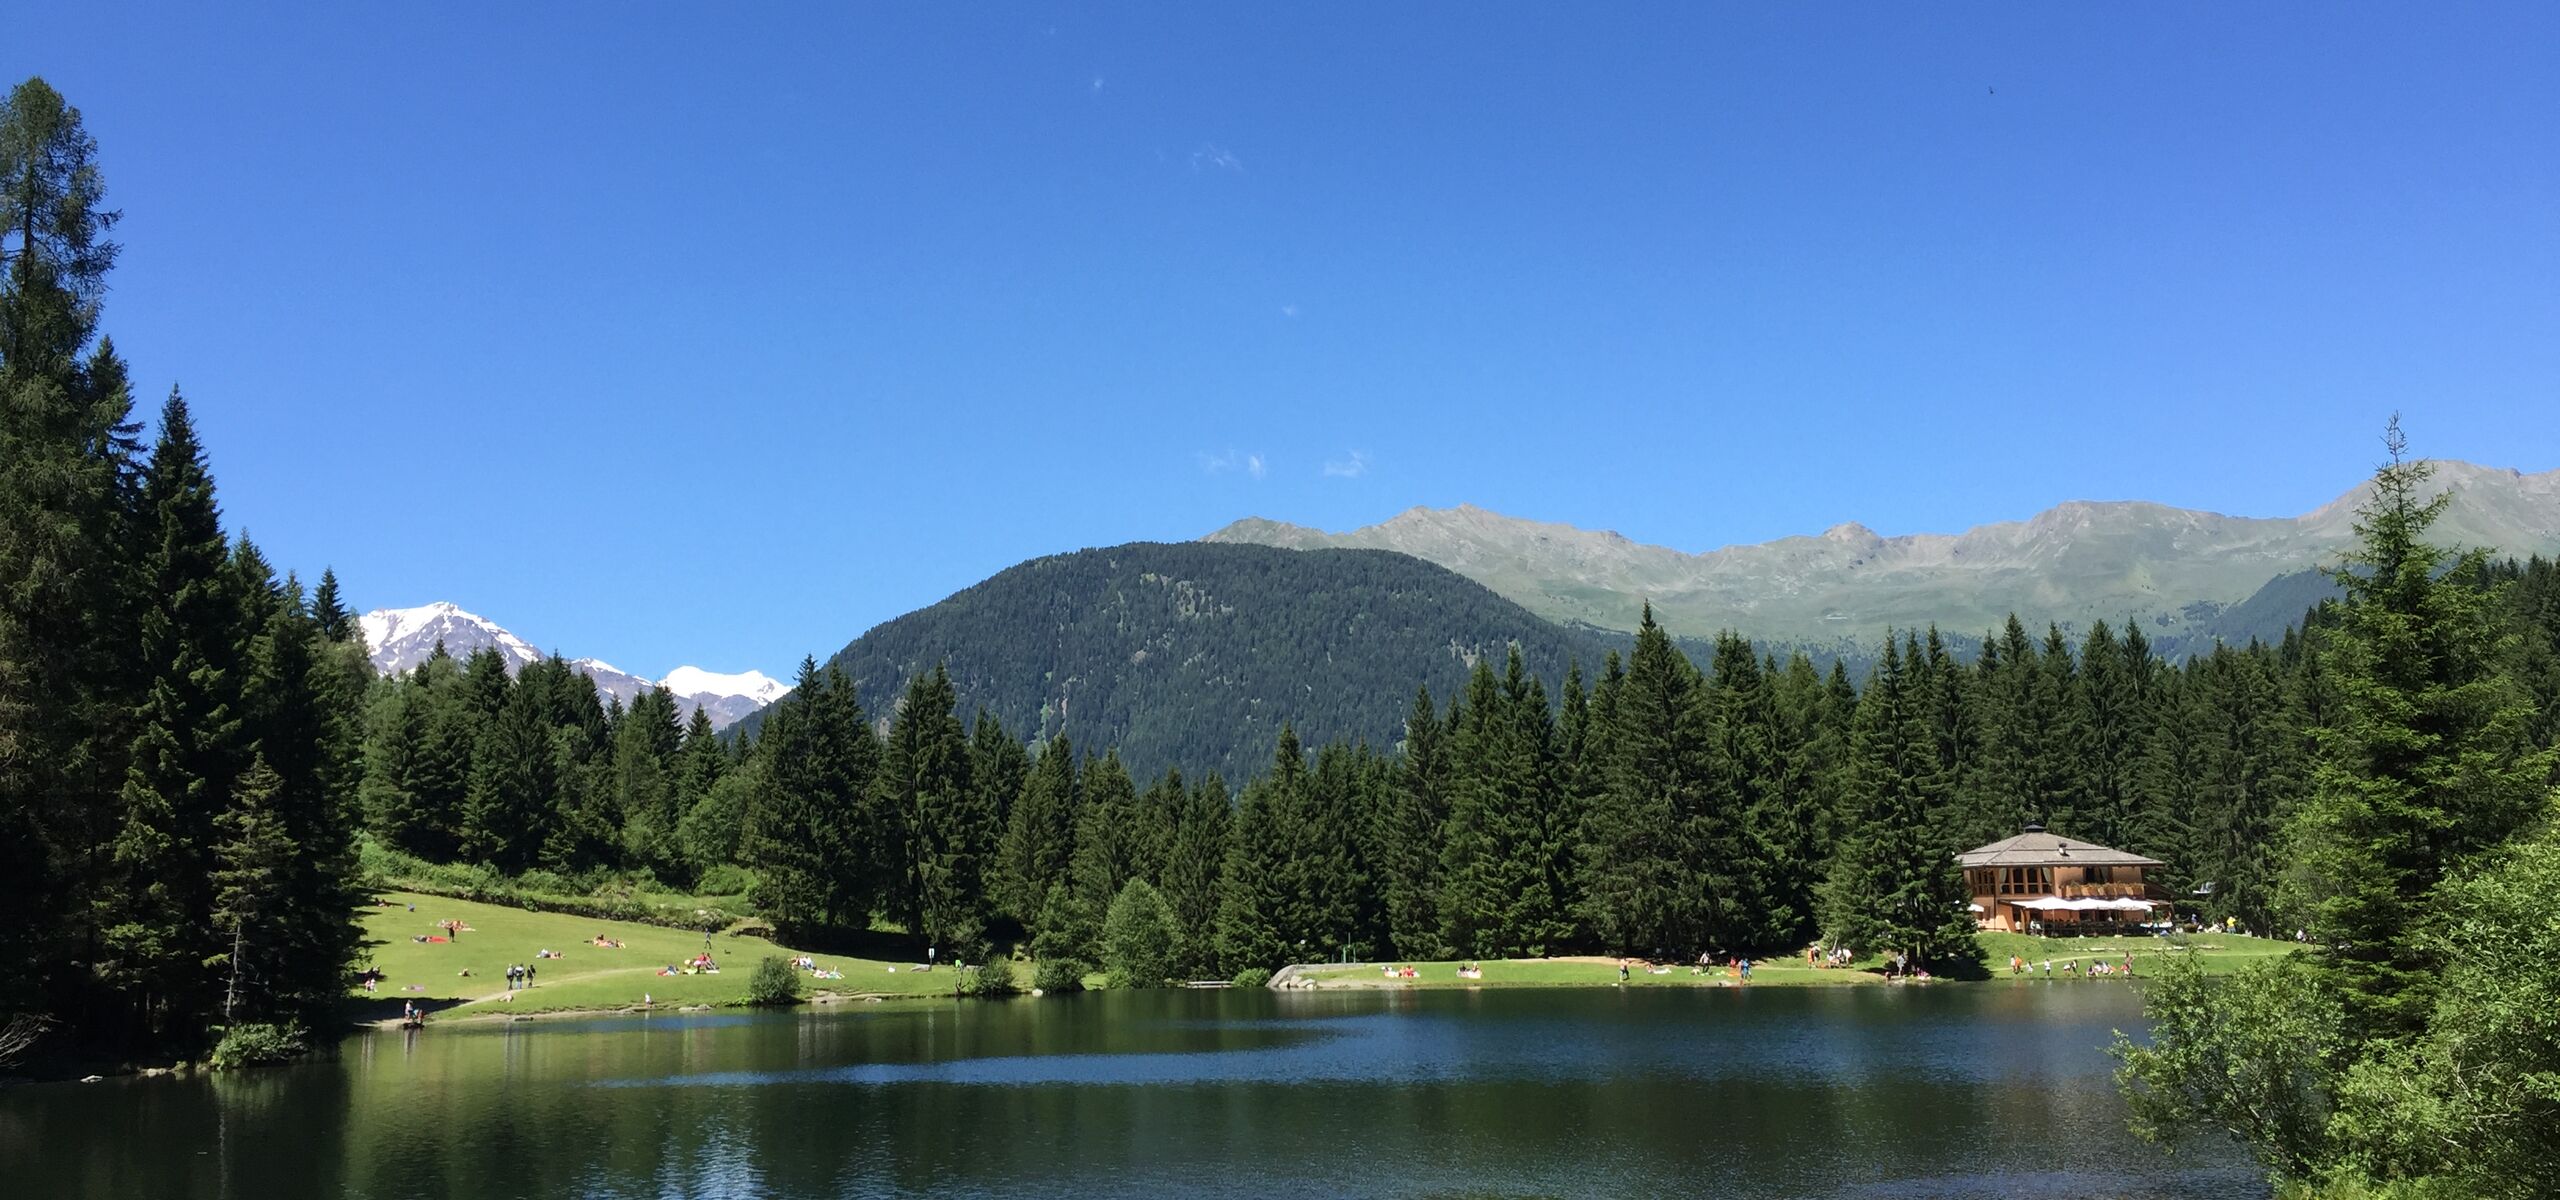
(2111, 891)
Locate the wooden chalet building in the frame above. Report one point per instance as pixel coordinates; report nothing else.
(2038, 881)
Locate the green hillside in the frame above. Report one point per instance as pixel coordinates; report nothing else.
(1193, 654)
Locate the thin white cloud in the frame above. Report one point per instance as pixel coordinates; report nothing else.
(1229, 460)
(1097, 85)
(1290, 311)
(1212, 155)
(1349, 466)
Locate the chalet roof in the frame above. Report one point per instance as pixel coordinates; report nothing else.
(2036, 848)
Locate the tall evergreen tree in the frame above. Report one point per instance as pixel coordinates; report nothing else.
(1494, 898)
(945, 829)
(1894, 884)
(1040, 833)
(1257, 927)
(251, 895)
(2423, 763)
(1408, 841)
(513, 796)
(186, 756)
(1194, 875)
(1638, 891)
(1110, 840)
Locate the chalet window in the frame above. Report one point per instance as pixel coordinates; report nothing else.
(2026, 881)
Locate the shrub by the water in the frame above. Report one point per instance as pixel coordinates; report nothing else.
(1252, 977)
(992, 980)
(257, 1045)
(1057, 975)
(775, 983)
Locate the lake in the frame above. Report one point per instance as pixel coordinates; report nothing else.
(1983, 1090)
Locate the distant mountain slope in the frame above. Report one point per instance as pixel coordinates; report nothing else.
(1192, 654)
(398, 639)
(2173, 569)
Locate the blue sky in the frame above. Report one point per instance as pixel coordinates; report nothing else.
(668, 336)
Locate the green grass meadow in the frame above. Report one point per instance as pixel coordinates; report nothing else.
(587, 976)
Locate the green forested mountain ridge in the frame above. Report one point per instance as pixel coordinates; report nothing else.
(1195, 654)
(2174, 571)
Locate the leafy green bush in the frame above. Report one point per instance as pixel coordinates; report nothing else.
(1253, 977)
(774, 984)
(992, 980)
(1057, 976)
(1138, 937)
(725, 880)
(257, 1045)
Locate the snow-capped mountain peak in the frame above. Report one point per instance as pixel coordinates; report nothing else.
(401, 638)
(694, 681)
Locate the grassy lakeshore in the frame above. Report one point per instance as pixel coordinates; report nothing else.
(2220, 954)
(587, 977)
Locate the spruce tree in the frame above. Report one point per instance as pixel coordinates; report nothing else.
(251, 895)
(1639, 892)
(68, 688)
(513, 796)
(947, 833)
(186, 755)
(1109, 839)
(1408, 839)
(2423, 763)
(1894, 884)
(1194, 873)
(1494, 900)
(646, 743)
(1040, 833)
(1257, 922)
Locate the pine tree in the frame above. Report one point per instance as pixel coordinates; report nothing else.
(1408, 838)
(708, 835)
(646, 744)
(1805, 754)
(1109, 838)
(1753, 825)
(1040, 833)
(1639, 892)
(1894, 884)
(948, 834)
(68, 689)
(2422, 765)
(513, 795)
(1258, 925)
(1194, 871)
(251, 893)
(1494, 900)
(186, 756)
(1331, 875)
(998, 767)
(2113, 715)
(336, 623)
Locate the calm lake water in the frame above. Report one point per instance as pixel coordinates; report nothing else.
(1995, 1090)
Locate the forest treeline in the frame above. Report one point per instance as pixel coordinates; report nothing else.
(1660, 806)
(179, 727)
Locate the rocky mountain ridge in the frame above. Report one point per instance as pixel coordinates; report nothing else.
(2078, 562)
